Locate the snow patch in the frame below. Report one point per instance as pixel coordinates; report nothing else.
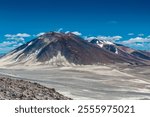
(30, 43)
(108, 42)
(116, 51)
(100, 45)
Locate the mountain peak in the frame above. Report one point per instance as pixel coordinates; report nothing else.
(55, 48)
(55, 36)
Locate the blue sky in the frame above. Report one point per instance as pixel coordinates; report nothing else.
(21, 20)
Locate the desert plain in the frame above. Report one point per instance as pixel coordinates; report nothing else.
(93, 82)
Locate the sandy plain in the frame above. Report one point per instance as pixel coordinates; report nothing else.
(112, 82)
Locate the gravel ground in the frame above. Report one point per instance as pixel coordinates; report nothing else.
(13, 89)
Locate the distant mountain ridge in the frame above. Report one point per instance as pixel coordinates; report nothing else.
(63, 49)
(122, 50)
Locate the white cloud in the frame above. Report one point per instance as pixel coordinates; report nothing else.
(59, 30)
(109, 38)
(20, 37)
(74, 32)
(130, 34)
(6, 46)
(7, 43)
(106, 38)
(23, 35)
(9, 35)
(17, 45)
(142, 43)
(137, 40)
(77, 33)
(12, 41)
(17, 35)
(90, 38)
(141, 35)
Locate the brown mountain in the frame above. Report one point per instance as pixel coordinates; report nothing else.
(64, 49)
(123, 51)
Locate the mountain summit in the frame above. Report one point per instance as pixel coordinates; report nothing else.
(63, 49)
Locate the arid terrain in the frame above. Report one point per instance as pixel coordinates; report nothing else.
(15, 89)
(79, 68)
(90, 81)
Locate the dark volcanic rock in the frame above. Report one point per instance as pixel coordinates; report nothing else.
(73, 49)
(13, 89)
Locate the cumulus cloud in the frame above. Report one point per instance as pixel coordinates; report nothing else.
(138, 42)
(12, 41)
(105, 38)
(20, 37)
(17, 35)
(6, 46)
(77, 33)
(7, 43)
(23, 35)
(141, 35)
(74, 32)
(110, 38)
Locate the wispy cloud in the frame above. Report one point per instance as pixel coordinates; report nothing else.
(141, 35)
(74, 32)
(7, 43)
(59, 30)
(138, 43)
(106, 38)
(112, 22)
(17, 37)
(6, 46)
(130, 34)
(137, 40)
(12, 41)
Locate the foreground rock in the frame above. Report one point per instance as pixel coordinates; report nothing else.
(12, 89)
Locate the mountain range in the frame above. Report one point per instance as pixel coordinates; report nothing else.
(63, 49)
(122, 50)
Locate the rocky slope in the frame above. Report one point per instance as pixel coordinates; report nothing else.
(65, 49)
(123, 51)
(61, 49)
(12, 89)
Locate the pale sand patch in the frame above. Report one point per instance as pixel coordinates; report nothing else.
(100, 70)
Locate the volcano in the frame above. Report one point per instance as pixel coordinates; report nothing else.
(62, 49)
